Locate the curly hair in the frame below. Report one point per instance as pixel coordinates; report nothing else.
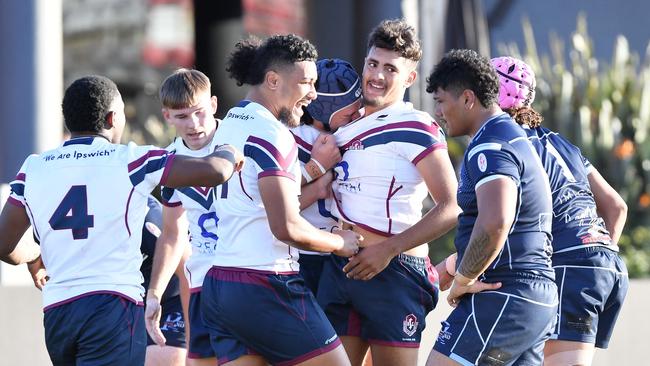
(465, 69)
(252, 58)
(86, 103)
(396, 35)
(183, 88)
(525, 116)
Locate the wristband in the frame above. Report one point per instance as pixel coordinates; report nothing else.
(320, 166)
(305, 174)
(315, 170)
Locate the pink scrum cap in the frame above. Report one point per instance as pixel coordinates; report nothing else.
(516, 82)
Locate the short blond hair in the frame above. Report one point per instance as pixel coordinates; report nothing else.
(182, 88)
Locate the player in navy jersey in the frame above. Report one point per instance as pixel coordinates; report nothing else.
(254, 303)
(86, 202)
(189, 106)
(503, 291)
(588, 218)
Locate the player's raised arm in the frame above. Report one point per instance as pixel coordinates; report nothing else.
(208, 171)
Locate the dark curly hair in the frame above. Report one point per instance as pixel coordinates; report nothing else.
(86, 103)
(252, 58)
(465, 69)
(525, 116)
(396, 35)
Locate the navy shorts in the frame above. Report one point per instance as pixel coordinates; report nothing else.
(199, 336)
(263, 313)
(592, 284)
(311, 268)
(172, 323)
(389, 309)
(96, 329)
(504, 327)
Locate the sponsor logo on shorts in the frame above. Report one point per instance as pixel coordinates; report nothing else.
(330, 340)
(410, 325)
(173, 323)
(444, 334)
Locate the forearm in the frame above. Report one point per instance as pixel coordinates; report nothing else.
(615, 218)
(435, 223)
(302, 235)
(309, 194)
(24, 252)
(168, 254)
(484, 246)
(208, 171)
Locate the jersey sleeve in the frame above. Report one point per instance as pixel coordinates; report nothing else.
(17, 186)
(416, 140)
(169, 197)
(274, 154)
(587, 164)
(490, 160)
(148, 166)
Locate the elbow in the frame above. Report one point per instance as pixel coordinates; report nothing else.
(496, 225)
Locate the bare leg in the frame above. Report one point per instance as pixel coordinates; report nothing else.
(165, 356)
(356, 349)
(386, 355)
(558, 353)
(438, 359)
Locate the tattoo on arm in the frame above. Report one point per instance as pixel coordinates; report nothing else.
(478, 255)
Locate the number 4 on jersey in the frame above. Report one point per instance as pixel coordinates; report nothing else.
(72, 213)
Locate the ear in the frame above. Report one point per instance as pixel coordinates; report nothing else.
(109, 120)
(469, 99)
(411, 78)
(213, 104)
(272, 79)
(165, 113)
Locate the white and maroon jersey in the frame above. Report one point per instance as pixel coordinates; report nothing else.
(197, 202)
(245, 239)
(87, 201)
(318, 214)
(377, 185)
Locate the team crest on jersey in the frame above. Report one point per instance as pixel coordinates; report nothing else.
(482, 162)
(410, 325)
(444, 334)
(356, 145)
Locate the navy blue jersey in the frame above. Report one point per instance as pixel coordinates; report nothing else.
(575, 221)
(148, 247)
(501, 148)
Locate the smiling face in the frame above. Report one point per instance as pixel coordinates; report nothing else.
(450, 110)
(295, 91)
(386, 76)
(194, 124)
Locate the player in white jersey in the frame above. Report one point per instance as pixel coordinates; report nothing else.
(254, 303)
(392, 158)
(188, 106)
(86, 202)
(339, 99)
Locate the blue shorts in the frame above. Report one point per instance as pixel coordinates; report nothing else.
(311, 268)
(259, 312)
(389, 309)
(504, 327)
(96, 329)
(199, 336)
(592, 284)
(172, 323)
